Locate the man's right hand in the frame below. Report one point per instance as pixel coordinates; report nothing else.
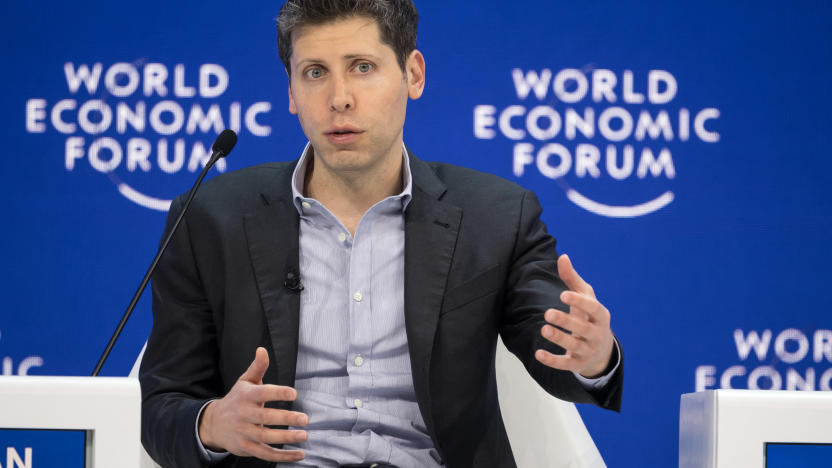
(236, 423)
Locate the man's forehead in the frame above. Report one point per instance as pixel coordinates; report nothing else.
(355, 34)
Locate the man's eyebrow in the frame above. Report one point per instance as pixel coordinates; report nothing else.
(309, 60)
(359, 56)
(345, 57)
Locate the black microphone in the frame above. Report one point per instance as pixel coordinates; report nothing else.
(222, 146)
(292, 282)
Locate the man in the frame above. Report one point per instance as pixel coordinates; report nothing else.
(343, 310)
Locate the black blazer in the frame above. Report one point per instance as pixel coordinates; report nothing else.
(478, 262)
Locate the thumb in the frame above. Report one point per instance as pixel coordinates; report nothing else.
(571, 277)
(257, 369)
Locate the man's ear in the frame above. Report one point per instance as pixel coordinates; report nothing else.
(415, 68)
(292, 108)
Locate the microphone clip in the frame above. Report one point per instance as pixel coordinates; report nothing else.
(292, 282)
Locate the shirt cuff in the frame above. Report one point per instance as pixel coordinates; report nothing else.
(207, 455)
(600, 382)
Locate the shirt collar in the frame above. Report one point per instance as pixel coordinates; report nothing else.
(299, 178)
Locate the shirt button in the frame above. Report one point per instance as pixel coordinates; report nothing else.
(358, 403)
(305, 204)
(342, 237)
(359, 361)
(357, 296)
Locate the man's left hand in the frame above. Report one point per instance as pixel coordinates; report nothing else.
(589, 347)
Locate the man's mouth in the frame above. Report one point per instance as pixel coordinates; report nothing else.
(343, 131)
(343, 135)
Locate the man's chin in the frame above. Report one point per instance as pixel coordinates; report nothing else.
(343, 159)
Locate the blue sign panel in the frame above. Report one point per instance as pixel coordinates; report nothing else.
(33, 448)
(794, 455)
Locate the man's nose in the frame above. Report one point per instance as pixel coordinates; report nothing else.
(341, 98)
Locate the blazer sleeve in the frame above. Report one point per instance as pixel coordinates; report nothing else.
(178, 373)
(533, 286)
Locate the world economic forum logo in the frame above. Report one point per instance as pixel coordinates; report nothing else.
(138, 122)
(597, 132)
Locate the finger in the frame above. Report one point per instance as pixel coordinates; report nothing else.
(257, 369)
(564, 362)
(269, 392)
(267, 435)
(576, 325)
(264, 452)
(571, 344)
(587, 304)
(276, 417)
(571, 277)
(279, 436)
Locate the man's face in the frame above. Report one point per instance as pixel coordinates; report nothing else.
(349, 93)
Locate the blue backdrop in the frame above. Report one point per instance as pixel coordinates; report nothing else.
(681, 152)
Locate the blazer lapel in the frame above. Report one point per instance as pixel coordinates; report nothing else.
(431, 229)
(272, 235)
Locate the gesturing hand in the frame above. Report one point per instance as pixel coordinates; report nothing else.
(236, 422)
(590, 346)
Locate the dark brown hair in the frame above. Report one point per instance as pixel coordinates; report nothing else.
(397, 21)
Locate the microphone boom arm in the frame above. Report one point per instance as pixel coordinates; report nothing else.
(215, 156)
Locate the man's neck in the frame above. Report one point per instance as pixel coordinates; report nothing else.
(349, 194)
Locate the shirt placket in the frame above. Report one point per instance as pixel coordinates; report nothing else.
(359, 355)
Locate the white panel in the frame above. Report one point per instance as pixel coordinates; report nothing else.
(731, 427)
(111, 407)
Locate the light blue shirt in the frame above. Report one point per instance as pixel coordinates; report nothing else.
(353, 367)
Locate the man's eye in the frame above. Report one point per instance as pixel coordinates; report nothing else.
(314, 73)
(364, 67)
